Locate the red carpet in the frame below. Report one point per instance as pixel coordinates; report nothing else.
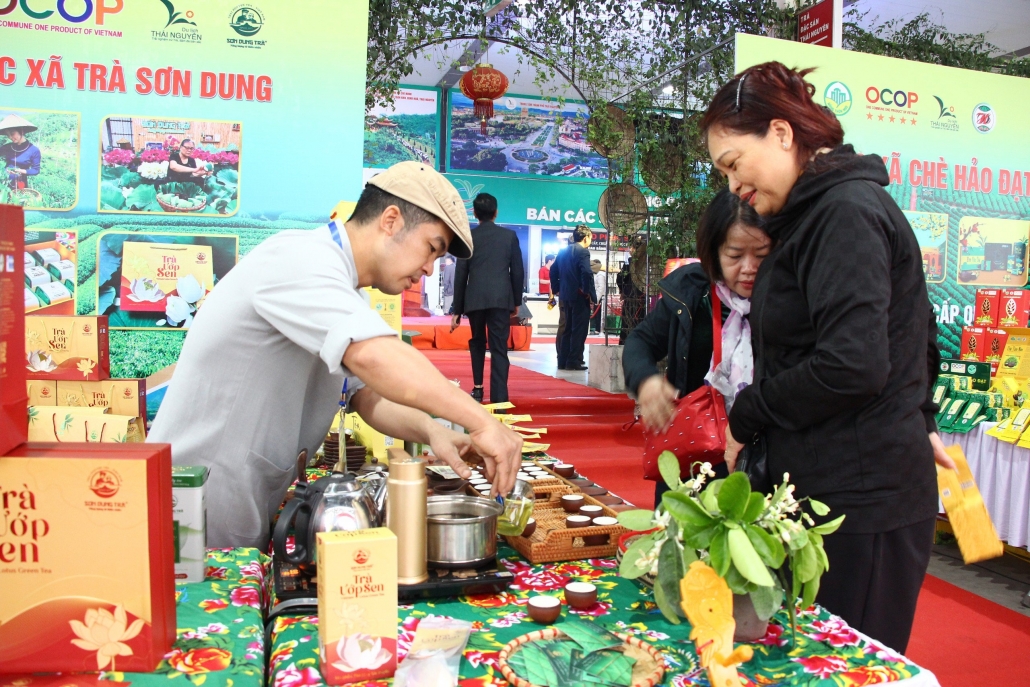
(968, 641)
(584, 424)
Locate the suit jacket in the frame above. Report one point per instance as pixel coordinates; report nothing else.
(494, 276)
(576, 279)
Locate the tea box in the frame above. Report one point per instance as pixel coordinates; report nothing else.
(988, 302)
(62, 270)
(86, 558)
(71, 348)
(13, 426)
(1014, 309)
(154, 272)
(973, 340)
(46, 256)
(122, 396)
(52, 293)
(357, 605)
(87, 425)
(189, 516)
(995, 346)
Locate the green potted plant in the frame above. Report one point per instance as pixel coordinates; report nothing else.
(751, 540)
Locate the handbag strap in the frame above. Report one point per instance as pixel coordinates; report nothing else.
(716, 327)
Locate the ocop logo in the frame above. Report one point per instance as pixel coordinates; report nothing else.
(98, 10)
(890, 97)
(837, 97)
(361, 556)
(104, 482)
(984, 118)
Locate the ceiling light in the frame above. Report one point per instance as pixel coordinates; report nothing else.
(465, 68)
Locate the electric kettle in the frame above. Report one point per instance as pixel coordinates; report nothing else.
(335, 502)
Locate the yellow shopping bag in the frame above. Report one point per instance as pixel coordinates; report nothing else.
(977, 538)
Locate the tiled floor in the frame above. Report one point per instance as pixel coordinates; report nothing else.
(1005, 580)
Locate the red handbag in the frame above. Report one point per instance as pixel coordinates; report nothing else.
(697, 432)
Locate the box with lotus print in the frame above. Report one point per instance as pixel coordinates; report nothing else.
(158, 277)
(69, 348)
(86, 558)
(357, 605)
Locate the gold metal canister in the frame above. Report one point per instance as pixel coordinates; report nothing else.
(406, 515)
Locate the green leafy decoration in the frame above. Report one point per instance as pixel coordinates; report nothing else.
(685, 509)
(755, 507)
(746, 559)
(769, 548)
(734, 496)
(719, 551)
(629, 567)
(819, 507)
(637, 520)
(667, 588)
(669, 467)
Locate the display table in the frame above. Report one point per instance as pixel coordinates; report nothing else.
(220, 623)
(1002, 472)
(827, 648)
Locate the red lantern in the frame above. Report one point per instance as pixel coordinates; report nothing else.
(482, 85)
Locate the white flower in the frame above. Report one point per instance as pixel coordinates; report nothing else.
(126, 191)
(706, 469)
(145, 290)
(786, 477)
(662, 519)
(106, 633)
(178, 311)
(40, 361)
(785, 535)
(153, 170)
(189, 288)
(360, 652)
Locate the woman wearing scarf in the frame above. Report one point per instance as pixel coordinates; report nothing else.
(731, 245)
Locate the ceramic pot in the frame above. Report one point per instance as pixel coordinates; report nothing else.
(750, 627)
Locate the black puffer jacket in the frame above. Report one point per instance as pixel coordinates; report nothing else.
(680, 324)
(845, 350)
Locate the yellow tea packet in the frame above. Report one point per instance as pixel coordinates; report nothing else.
(89, 425)
(967, 513)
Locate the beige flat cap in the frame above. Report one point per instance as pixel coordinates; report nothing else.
(426, 188)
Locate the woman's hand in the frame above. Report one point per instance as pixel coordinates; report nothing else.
(940, 456)
(733, 449)
(656, 398)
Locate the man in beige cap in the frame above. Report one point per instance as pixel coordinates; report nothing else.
(261, 372)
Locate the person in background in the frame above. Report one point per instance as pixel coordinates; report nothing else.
(449, 264)
(21, 157)
(845, 343)
(600, 286)
(488, 287)
(731, 245)
(183, 166)
(261, 373)
(555, 297)
(544, 275)
(577, 298)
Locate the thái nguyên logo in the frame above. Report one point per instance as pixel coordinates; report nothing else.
(837, 97)
(177, 17)
(946, 119)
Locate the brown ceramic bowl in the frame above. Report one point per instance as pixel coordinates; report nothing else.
(591, 510)
(544, 609)
(582, 482)
(564, 469)
(594, 491)
(530, 528)
(609, 499)
(576, 521)
(572, 502)
(596, 540)
(580, 594)
(620, 507)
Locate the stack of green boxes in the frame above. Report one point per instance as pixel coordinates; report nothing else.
(962, 408)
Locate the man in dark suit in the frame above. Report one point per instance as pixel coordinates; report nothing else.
(576, 296)
(488, 289)
(555, 286)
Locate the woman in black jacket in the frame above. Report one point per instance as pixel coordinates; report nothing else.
(844, 341)
(730, 245)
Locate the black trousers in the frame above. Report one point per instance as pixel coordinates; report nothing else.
(498, 322)
(561, 329)
(577, 319)
(874, 580)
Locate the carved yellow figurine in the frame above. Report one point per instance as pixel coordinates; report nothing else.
(708, 603)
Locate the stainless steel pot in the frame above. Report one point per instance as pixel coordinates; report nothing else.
(462, 531)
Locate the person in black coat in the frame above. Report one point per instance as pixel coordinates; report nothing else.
(844, 341)
(731, 245)
(488, 288)
(576, 296)
(555, 283)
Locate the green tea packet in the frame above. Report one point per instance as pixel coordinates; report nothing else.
(952, 413)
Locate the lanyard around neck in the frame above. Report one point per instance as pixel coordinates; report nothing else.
(334, 231)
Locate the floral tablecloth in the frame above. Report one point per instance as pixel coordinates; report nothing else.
(828, 653)
(220, 624)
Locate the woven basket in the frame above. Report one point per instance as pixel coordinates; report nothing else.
(552, 541)
(171, 208)
(634, 647)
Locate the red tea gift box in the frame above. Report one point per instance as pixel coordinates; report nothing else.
(974, 343)
(86, 558)
(14, 426)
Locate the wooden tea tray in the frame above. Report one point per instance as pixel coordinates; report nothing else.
(552, 541)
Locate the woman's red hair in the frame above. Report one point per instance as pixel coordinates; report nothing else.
(773, 91)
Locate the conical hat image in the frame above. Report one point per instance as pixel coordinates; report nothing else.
(13, 121)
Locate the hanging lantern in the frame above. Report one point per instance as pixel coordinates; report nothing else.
(482, 85)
